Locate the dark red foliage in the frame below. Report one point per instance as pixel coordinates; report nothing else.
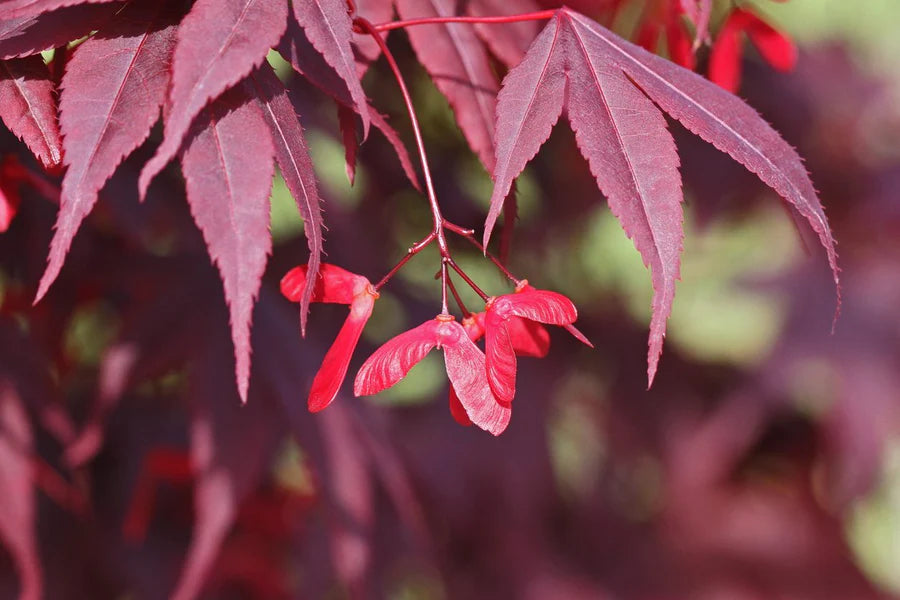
(297, 50)
(29, 35)
(17, 515)
(228, 170)
(599, 78)
(28, 108)
(133, 465)
(295, 165)
(328, 28)
(459, 66)
(112, 90)
(219, 43)
(508, 43)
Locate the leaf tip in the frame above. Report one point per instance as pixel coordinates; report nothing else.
(837, 307)
(486, 238)
(144, 183)
(243, 385)
(578, 335)
(653, 355)
(54, 265)
(351, 174)
(651, 374)
(42, 290)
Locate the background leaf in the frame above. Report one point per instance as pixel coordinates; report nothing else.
(459, 67)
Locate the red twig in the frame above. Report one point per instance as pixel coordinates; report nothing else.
(445, 278)
(462, 307)
(440, 224)
(466, 278)
(533, 16)
(413, 250)
(470, 235)
(367, 27)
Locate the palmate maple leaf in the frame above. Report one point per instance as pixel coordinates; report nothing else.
(614, 93)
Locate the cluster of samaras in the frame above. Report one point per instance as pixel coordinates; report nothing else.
(482, 384)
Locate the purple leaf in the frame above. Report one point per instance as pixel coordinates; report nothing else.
(13, 9)
(347, 122)
(722, 119)
(29, 35)
(28, 108)
(17, 511)
(394, 140)
(157, 334)
(231, 446)
(292, 156)
(458, 63)
(528, 106)
(333, 443)
(328, 28)
(228, 172)
(699, 12)
(114, 84)
(348, 488)
(603, 81)
(624, 138)
(386, 460)
(509, 41)
(219, 43)
(298, 51)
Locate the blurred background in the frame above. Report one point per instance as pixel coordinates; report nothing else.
(764, 462)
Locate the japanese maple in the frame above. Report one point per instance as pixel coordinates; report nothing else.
(229, 121)
(612, 92)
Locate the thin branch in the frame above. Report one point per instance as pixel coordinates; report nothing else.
(532, 16)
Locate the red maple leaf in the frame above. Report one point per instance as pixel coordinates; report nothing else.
(614, 93)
